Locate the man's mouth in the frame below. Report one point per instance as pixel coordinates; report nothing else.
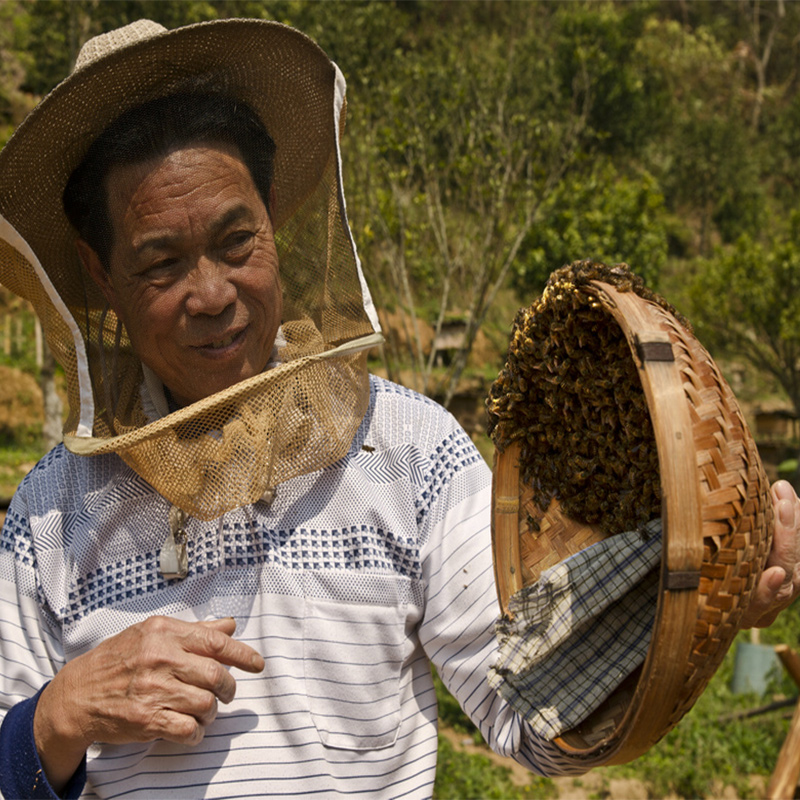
(224, 342)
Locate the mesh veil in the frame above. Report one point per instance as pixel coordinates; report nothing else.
(231, 448)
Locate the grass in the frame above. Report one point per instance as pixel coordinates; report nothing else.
(461, 775)
(16, 460)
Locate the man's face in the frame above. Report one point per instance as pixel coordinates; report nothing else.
(193, 271)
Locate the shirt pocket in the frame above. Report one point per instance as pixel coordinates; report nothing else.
(353, 657)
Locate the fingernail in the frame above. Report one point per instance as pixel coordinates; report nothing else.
(786, 513)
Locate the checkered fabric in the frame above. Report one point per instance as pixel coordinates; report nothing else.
(579, 631)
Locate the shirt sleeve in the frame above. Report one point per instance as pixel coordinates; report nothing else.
(22, 775)
(30, 655)
(461, 606)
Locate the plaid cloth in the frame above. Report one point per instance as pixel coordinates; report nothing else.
(579, 631)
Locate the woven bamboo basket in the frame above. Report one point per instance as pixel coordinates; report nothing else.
(717, 527)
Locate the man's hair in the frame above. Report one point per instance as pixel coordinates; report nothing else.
(153, 130)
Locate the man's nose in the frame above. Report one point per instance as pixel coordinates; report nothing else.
(210, 289)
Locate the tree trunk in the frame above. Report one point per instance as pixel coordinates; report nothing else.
(52, 425)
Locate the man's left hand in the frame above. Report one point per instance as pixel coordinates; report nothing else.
(780, 581)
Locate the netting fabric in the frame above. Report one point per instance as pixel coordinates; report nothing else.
(233, 447)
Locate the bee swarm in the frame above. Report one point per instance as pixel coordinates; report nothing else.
(570, 394)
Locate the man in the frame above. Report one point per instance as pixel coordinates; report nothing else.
(305, 540)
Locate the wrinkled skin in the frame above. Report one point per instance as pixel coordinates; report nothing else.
(159, 679)
(193, 271)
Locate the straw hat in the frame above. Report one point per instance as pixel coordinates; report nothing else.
(329, 319)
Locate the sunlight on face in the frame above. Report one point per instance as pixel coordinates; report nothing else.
(193, 270)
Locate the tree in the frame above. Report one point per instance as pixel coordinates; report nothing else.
(14, 60)
(745, 300)
(477, 136)
(599, 214)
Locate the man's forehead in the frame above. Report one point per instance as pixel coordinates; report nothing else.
(144, 242)
(207, 177)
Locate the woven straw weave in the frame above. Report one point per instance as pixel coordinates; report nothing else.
(717, 517)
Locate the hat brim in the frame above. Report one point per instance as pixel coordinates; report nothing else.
(281, 73)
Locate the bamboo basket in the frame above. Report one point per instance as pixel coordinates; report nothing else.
(717, 527)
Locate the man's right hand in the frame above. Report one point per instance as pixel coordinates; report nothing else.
(159, 679)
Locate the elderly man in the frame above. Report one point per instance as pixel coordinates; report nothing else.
(261, 524)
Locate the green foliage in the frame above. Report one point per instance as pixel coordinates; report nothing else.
(16, 460)
(489, 143)
(708, 748)
(14, 61)
(20, 351)
(600, 215)
(746, 299)
(704, 158)
(59, 28)
(785, 629)
(627, 100)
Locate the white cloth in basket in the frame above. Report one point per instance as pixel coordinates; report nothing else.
(579, 631)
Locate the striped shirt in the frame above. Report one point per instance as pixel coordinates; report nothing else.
(350, 584)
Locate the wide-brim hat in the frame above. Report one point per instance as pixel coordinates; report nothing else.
(319, 392)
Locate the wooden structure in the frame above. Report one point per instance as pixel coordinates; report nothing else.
(783, 784)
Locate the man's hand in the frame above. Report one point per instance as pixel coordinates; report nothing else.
(159, 679)
(780, 582)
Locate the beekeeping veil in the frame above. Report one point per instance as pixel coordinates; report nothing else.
(234, 447)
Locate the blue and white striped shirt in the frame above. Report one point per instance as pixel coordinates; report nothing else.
(350, 584)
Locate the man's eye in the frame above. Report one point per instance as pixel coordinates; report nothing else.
(160, 269)
(238, 243)
(165, 263)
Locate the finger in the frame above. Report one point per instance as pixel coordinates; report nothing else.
(782, 553)
(160, 709)
(210, 638)
(764, 597)
(785, 550)
(206, 674)
(192, 701)
(174, 726)
(226, 625)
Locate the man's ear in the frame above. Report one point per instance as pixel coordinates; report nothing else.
(94, 266)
